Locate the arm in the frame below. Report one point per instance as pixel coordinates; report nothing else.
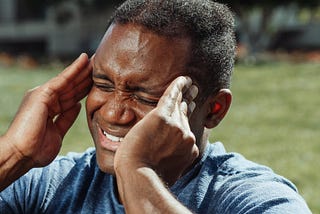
(143, 191)
(46, 113)
(148, 161)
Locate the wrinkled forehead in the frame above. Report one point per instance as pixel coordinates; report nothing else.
(132, 51)
(135, 44)
(134, 35)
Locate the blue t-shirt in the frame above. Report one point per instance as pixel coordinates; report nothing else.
(219, 183)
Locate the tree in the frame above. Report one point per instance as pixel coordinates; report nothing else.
(256, 37)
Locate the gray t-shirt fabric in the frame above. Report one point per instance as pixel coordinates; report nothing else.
(220, 182)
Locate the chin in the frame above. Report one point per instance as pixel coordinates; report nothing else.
(105, 163)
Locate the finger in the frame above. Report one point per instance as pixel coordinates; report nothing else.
(92, 57)
(191, 107)
(57, 104)
(78, 92)
(190, 94)
(84, 75)
(61, 93)
(195, 152)
(184, 108)
(65, 120)
(183, 113)
(187, 109)
(76, 72)
(66, 104)
(173, 93)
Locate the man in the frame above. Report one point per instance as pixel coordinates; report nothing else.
(161, 78)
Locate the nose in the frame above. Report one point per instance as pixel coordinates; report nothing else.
(117, 110)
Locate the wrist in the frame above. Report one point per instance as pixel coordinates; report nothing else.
(12, 157)
(128, 175)
(143, 191)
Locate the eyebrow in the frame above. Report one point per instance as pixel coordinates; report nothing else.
(100, 76)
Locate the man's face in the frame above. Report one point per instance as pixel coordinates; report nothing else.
(131, 70)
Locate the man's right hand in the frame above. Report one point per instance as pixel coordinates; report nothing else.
(159, 148)
(45, 115)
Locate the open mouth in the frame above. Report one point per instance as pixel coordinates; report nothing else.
(111, 137)
(109, 141)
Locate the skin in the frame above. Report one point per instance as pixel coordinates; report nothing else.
(138, 115)
(131, 70)
(46, 113)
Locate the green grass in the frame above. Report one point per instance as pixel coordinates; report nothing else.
(14, 82)
(274, 119)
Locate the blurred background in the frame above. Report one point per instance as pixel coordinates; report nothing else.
(50, 29)
(274, 119)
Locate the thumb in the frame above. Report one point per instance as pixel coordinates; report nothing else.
(65, 120)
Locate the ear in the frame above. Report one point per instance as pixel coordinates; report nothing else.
(218, 106)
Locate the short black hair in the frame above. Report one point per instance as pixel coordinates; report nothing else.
(209, 24)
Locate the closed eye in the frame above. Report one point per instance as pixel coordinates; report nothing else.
(145, 101)
(104, 87)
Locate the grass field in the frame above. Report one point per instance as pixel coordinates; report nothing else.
(274, 118)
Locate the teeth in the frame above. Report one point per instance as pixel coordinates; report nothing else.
(113, 138)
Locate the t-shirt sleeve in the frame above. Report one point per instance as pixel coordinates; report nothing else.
(33, 191)
(258, 193)
(242, 186)
(23, 195)
(228, 183)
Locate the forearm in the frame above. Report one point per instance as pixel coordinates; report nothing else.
(142, 191)
(12, 164)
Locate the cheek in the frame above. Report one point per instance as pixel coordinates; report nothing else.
(94, 101)
(142, 110)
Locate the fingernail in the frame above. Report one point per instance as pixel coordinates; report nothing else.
(82, 55)
(191, 106)
(188, 78)
(194, 91)
(76, 60)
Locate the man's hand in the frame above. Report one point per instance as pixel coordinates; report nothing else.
(161, 145)
(47, 112)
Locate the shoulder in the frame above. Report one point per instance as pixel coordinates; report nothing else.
(59, 168)
(240, 185)
(62, 165)
(37, 187)
(73, 158)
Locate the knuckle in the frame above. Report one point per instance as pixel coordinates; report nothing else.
(29, 92)
(190, 139)
(32, 92)
(195, 153)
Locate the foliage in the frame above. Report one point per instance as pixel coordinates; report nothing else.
(88, 5)
(257, 40)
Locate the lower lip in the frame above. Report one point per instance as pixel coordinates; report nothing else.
(107, 143)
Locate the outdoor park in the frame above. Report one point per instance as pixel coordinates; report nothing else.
(274, 117)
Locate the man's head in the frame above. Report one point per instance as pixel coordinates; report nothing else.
(147, 45)
(209, 25)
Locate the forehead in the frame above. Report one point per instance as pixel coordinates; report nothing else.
(128, 48)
